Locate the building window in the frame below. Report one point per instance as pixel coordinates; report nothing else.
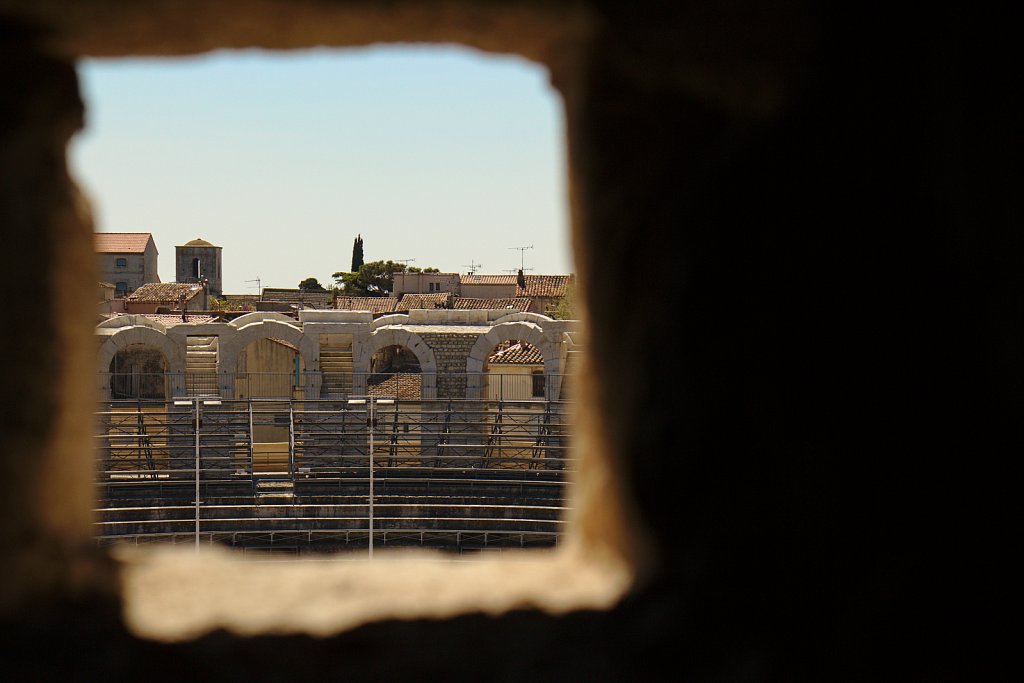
(121, 289)
(430, 287)
(538, 384)
(122, 263)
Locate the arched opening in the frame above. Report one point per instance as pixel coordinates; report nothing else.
(138, 372)
(269, 375)
(268, 368)
(514, 370)
(395, 372)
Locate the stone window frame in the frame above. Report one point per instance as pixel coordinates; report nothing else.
(592, 570)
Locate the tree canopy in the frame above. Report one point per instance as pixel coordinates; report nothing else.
(311, 284)
(376, 278)
(357, 253)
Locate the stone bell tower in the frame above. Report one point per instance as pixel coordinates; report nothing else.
(199, 260)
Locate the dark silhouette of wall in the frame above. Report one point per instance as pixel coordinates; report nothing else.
(809, 487)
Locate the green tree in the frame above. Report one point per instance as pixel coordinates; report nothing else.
(565, 309)
(376, 278)
(311, 284)
(357, 254)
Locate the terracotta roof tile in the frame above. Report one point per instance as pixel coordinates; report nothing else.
(470, 303)
(545, 285)
(411, 301)
(165, 292)
(373, 304)
(516, 353)
(404, 386)
(474, 279)
(122, 242)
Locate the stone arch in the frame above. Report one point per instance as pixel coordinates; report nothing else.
(120, 321)
(525, 316)
(391, 319)
(260, 316)
(125, 337)
(270, 328)
(395, 336)
(524, 331)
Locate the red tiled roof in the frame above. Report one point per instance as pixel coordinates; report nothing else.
(545, 285)
(473, 279)
(516, 353)
(165, 292)
(411, 301)
(122, 242)
(373, 304)
(404, 386)
(464, 303)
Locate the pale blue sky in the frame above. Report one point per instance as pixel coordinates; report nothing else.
(448, 156)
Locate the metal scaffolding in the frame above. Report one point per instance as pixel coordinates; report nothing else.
(296, 474)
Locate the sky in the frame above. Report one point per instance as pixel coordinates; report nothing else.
(442, 157)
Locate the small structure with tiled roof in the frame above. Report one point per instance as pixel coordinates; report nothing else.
(297, 298)
(410, 302)
(541, 286)
(471, 304)
(543, 291)
(377, 305)
(515, 369)
(172, 296)
(516, 352)
(128, 260)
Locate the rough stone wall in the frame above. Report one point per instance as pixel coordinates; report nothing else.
(818, 191)
(451, 351)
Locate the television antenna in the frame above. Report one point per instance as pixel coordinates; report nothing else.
(472, 266)
(404, 260)
(522, 256)
(258, 283)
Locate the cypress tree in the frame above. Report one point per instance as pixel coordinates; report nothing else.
(357, 253)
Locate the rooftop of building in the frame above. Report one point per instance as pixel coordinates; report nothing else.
(165, 292)
(536, 285)
(374, 304)
(302, 297)
(516, 353)
(470, 303)
(404, 386)
(545, 285)
(436, 300)
(474, 279)
(122, 242)
(199, 242)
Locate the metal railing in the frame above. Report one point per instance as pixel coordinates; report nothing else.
(495, 385)
(478, 469)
